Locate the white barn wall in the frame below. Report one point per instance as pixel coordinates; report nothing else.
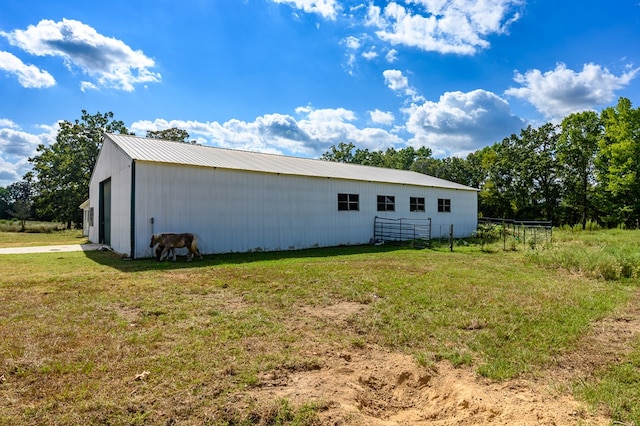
(113, 163)
(236, 211)
(233, 210)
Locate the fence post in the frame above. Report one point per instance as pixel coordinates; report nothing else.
(451, 237)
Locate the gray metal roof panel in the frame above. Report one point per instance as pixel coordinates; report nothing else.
(162, 151)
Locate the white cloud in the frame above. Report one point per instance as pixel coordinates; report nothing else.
(310, 135)
(16, 146)
(395, 80)
(109, 60)
(326, 8)
(381, 117)
(87, 85)
(369, 55)
(562, 91)
(391, 56)
(29, 76)
(453, 26)
(5, 122)
(398, 82)
(352, 42)
(460, 123)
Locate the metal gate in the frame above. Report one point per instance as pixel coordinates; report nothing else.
(401, 230)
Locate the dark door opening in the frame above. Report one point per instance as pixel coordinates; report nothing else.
(105, 212)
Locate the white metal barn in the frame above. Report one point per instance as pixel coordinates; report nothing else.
(238, 201)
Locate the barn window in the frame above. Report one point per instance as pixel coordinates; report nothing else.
(444, 205)
(386, 203)
(348, 202)
(416, 204)
(90, 218)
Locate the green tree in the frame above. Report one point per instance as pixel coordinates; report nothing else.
(343, 153)
(21, 210)
(368, 158)
(526, 172)
(62, 171)
(4, 203)
(172, 134)
(576, 152)
(543, 169)
(454, 169)
(618, 163)
(15, 197)
(495, 197)
(404, 158)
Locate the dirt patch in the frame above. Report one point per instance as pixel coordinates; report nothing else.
(370, 386)
(374, 387)
(608, 342)
(337, 314)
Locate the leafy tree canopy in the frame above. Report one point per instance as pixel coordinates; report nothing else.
(172, 134)
(61, 172)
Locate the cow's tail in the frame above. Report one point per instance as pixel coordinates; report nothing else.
(194, 247)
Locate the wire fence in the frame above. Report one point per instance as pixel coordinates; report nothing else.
(530, 232)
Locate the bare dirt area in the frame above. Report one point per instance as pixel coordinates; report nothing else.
(371, 386)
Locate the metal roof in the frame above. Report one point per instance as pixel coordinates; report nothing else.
(162, 151)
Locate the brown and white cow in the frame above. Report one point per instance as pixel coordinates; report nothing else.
(169, 241)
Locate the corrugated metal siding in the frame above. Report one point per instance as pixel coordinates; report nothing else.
(161, 151)
(236, 211)
(115, 165)
(239, 205)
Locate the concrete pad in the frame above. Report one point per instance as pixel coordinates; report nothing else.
(51, 249)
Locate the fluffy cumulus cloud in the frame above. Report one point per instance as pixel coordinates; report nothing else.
(562, 91)
(29, 76)
(326, 8)
(452, 26)
(16, 146)
(110, 61)
(399, 83)
(460, 123)
(385, 118)
(310, 134)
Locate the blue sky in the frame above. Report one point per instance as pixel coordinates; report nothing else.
(297, 76)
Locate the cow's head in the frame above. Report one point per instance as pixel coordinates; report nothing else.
(155, 239)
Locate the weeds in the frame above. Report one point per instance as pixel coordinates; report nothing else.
(609, 255)
(83, 326)
(40, 234)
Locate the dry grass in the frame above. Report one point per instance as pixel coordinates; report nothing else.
(92, 339)
(51, 236)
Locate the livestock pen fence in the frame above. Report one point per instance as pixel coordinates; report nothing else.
(530, 232)
(419, 232)
(416, 231)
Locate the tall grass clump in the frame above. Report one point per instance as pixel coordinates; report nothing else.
(14, 225)
(602, 254)
(590, 225)
(618, 389)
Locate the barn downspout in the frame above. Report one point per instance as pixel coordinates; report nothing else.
(132, 227)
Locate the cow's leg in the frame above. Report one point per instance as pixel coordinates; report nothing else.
(159, 250)
(165, 252)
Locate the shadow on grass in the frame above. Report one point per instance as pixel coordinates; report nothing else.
(126, 265)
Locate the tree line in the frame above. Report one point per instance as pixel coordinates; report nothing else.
(59, 180)
(587, 168)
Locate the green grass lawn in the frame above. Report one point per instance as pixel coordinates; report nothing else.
(38, 234)
(78, 327)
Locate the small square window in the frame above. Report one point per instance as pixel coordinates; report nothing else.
(416, 204)
(348, 202)
(386, 203)
(444, 205)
